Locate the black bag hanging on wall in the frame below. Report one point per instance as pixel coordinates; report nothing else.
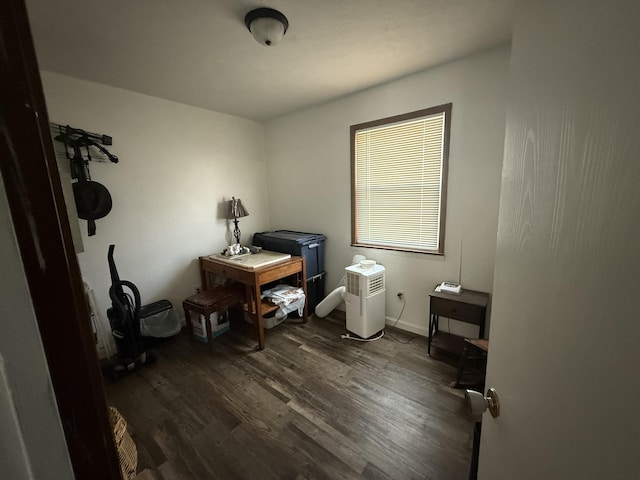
(93, 200)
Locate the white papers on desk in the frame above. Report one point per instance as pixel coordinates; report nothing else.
(288, 298)
(449, 287)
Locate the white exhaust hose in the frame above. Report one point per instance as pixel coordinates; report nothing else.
(331, 301)
(335, 298)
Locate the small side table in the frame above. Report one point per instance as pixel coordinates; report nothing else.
(470, 306)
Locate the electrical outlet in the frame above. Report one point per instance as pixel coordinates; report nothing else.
(400, 296)
(197, 289)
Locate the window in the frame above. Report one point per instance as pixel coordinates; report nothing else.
(399, 181)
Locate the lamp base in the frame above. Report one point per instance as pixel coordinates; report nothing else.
(236, 250)
(236, 231)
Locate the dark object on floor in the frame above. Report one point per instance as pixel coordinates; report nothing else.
(473, 363)
(124, 318)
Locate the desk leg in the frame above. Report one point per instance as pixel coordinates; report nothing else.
(258, 317)
(248, 296)
(187, 319)
(433, 328)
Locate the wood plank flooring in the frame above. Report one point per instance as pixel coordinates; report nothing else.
(309, 406)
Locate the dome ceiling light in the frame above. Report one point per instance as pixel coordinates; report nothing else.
(267, 25)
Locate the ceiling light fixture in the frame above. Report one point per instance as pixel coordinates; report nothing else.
(267, 25)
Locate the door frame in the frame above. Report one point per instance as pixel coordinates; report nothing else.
(36, 203)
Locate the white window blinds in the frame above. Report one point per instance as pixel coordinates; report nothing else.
(399, 179)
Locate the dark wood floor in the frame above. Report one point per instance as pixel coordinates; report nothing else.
(311, 405)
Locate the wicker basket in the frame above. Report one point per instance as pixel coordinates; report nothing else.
(127, 451)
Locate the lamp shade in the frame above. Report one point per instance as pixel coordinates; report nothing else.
(267, 25)
(236, 209)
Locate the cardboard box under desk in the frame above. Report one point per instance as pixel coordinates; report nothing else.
(219, 325)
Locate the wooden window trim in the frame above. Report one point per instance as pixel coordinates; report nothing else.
(444, 108)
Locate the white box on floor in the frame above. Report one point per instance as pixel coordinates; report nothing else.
(219, 325)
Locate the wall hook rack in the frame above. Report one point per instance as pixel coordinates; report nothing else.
(73, 137)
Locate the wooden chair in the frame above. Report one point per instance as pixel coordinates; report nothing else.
(205, 303)
(475, 351)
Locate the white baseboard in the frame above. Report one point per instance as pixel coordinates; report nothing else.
(407, 327)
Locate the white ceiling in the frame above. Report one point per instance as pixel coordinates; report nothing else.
(199, 52)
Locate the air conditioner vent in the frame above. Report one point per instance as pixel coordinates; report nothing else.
(376, 284)
(353, 283)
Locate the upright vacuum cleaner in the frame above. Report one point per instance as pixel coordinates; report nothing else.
(124, 318)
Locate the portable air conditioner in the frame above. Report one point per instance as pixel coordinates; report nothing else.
(365, 299)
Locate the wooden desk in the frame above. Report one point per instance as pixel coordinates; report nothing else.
(469, 306)
(253, 279)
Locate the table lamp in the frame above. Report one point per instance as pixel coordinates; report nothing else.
(236, 210)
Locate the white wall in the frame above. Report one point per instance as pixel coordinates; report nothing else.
(178, 164)
(32, 443)
(309, 178)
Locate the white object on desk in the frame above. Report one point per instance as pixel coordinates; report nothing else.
(449, 287)
(253, 261)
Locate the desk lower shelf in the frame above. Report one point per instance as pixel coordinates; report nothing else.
(266, 307)
(453, 344)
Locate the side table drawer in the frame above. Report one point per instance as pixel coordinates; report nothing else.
(461, 311)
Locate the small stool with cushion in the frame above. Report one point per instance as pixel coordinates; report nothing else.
(205, 303)
(475, 349)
